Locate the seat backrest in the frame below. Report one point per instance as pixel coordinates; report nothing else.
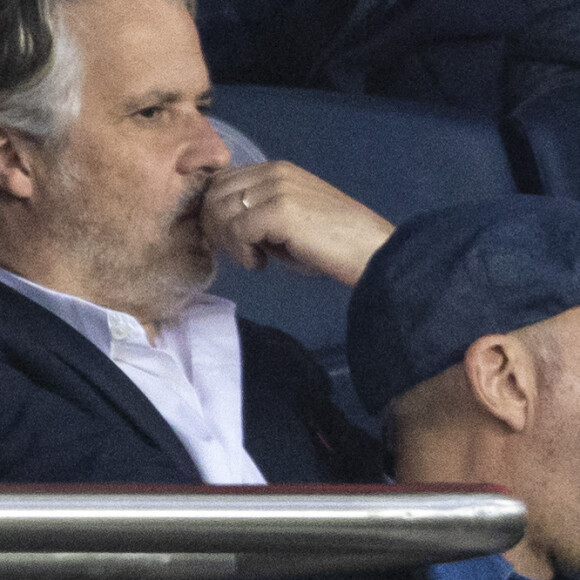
(543, 140)
(396, 157)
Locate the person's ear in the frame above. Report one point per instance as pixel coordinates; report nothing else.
(15, 165)
(503, 378)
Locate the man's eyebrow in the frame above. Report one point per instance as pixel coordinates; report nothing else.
(155, 96)
(158, 96)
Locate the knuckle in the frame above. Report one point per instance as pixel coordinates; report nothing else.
(281, 169)
(283, 203)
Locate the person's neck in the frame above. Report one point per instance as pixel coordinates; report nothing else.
(453, 457)
(530, 561)
(425, 457)
(153, 330)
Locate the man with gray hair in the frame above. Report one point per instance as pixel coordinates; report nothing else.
(115, 195)
(465, 330)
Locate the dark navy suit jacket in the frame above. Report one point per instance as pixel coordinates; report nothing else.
(68, 414)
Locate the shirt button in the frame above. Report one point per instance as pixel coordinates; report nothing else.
(120, 332)
(204, 433)
(207, 436)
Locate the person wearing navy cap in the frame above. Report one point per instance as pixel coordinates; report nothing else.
(465, 330)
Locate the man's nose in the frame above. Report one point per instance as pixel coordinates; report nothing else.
(205, 149)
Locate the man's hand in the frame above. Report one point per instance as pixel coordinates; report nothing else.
(278, 209)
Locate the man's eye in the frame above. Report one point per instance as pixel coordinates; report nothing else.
(204, 109)
(150, 112)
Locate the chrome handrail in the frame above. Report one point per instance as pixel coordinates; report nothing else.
(247, 534)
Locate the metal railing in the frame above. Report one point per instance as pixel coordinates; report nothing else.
(246, 532)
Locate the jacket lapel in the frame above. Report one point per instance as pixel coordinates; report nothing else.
(277, 436)
(43, 342)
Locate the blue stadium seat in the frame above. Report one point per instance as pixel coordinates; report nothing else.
(542, 137)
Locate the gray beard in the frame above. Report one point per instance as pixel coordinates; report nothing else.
(154, 281)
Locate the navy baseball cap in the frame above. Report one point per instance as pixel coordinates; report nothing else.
(448, 277)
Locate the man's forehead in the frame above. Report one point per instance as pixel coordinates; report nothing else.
(126, 20)
(133, 46)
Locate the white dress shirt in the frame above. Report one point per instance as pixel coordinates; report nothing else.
(192, 375)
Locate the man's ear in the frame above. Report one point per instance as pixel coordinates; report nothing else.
(503, 378)
(15, 165)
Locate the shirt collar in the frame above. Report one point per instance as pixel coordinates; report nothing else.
(101, 326)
